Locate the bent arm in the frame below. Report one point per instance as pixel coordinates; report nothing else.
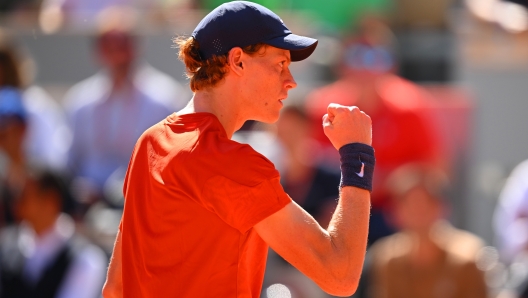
(113, 287)
(332, 258)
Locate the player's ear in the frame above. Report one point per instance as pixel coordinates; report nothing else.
(235, 61)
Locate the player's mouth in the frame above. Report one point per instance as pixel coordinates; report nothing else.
(280, 101)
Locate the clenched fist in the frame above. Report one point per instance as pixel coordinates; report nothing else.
(344, 125)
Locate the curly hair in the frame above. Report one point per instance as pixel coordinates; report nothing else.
(205, 74)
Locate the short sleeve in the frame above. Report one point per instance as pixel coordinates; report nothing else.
(243, 206)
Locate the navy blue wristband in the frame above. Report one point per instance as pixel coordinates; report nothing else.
(357, 165)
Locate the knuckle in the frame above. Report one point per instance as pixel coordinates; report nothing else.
(333, 106)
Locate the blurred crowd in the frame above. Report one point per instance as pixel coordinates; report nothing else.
(63, 160)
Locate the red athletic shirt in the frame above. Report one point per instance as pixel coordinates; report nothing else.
(192, 197)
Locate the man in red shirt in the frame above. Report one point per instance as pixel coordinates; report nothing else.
(201, 209)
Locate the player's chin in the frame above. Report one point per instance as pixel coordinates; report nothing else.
(270, 119)
(271, 116)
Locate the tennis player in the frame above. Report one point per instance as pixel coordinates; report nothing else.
(201, 209)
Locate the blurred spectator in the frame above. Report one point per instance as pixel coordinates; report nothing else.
(313, 187)
(428, 257)
(110, 110)
(400, 134)
(13, 125)
(43, 256)
(47, 138)
(510, 224)
(511, 215)
(84, 14)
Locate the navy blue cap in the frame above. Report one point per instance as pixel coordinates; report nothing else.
(11, 103)
(242, 23)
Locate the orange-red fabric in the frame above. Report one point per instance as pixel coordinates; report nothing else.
(192, 197)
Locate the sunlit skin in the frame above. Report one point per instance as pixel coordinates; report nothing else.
(267, 84)
(253, 89)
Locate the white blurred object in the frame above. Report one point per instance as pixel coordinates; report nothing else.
(511, 214)
(511, 16)
(483, 9)
(278, 291)
(497, 276)
(487, 258)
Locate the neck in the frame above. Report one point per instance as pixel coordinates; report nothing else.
(219, 103)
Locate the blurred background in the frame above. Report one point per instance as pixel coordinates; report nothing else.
(445, 82)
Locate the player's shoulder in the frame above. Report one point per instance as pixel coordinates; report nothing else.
(153, 131)
(243, 155)
(239, 162)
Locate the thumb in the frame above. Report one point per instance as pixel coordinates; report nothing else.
(327, 120)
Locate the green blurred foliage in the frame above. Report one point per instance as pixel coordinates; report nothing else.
(330, 14)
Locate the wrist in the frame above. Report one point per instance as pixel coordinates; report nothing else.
(357, 165)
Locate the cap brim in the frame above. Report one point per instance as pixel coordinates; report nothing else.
(300, 47)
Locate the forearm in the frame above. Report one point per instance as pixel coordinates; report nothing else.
(348, 231)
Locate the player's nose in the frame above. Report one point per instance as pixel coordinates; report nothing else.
(289, 82)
